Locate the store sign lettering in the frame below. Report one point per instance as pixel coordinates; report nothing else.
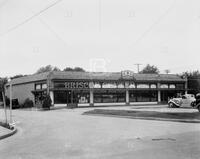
(76, 85)
(127, 73)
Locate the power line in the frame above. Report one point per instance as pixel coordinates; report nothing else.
(30, 18)
(167, 11)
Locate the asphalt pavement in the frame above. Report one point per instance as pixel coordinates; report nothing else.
(66, 133)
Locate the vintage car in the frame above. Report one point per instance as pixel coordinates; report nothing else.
(197, 102)
(187, 100)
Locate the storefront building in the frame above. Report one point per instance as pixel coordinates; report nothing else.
(97, 88)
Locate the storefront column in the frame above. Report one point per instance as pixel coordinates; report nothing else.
(52, 97)
(127, 97)
(159, 93)
(159, 96)
(91, 97)
(186, 86)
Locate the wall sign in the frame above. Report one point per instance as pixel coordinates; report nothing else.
(76, 85)
(127, 73)
(72, 85)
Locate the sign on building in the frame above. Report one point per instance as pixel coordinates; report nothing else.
(127, 73)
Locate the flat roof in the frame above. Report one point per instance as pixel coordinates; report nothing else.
(112, 76)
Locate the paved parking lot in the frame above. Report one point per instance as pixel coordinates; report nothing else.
(66, 133)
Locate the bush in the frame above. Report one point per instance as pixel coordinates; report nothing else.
(46, 102)
(28, 103)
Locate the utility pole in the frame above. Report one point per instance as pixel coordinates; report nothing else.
(138, 66)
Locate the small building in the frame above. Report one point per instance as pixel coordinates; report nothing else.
(96, 88)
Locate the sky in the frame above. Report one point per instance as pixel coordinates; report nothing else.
(99, 35)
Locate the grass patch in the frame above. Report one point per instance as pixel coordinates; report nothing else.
(146, 114)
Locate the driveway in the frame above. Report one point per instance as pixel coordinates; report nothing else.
(66, 133)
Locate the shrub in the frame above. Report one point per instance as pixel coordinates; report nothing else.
(46, 102)
(28, 103)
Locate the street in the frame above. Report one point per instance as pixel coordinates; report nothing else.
(66, 133)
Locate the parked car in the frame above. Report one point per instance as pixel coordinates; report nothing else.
(187, 100)
(197, 102)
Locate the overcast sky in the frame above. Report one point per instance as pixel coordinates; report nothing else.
(99, 35)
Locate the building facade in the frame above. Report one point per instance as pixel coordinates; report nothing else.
(97, 88)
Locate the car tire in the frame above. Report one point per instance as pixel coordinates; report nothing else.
(198, 108)
(171, 105)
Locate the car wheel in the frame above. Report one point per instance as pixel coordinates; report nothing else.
(193, 104)
(198, 108)
(171, 105)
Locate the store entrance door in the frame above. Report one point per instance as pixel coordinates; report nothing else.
(71, 99)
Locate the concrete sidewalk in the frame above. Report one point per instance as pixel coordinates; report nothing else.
(4, 132)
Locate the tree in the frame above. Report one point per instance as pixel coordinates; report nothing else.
(167, 71)
(68, 69)
(150, 69)
(193, 78)
(76, 69)
(47, 68)
(79, 69)
(17, 76)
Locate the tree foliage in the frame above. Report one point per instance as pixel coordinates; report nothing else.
(150, 69)
(47, 68)
(17, 76)
(193, 78)
(75, 69)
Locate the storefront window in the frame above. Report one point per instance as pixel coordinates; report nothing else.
(172, 86)
(142, 96)
(164, 86)
(60, 97)
(110, 96)
(44, 86)
(142, 85)
(97, 85)
(179, 86)
(120, 85)
(82, 96)
(109, 85)
(38, 86)
(76, 96)
(131, 85)
(153, 86)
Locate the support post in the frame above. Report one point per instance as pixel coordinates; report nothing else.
(10, 102)
(52, 97)
(159, 93)
(91, 97)
(127, 97)
(186, 85)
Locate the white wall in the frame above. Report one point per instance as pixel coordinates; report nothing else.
(21, 92)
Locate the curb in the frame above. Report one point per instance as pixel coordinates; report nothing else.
(8, 134)
(145, 118)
